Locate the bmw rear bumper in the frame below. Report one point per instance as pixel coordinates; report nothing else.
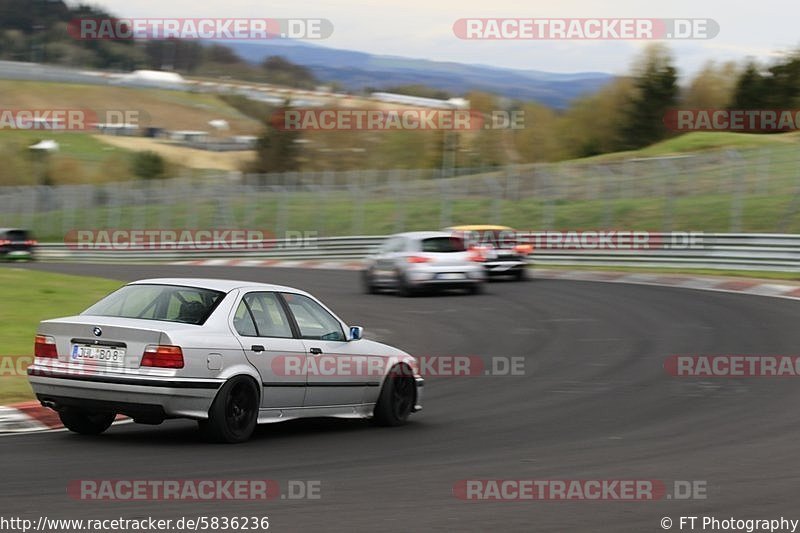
(145, 397)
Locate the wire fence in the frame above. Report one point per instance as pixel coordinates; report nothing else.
(754, 190)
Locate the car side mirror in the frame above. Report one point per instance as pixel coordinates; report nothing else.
(356, 333)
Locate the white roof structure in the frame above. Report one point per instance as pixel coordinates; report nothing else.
(153, 78)
(46, 145)
(457, 103)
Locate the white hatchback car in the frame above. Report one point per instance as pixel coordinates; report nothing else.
(229, 354)
(411, 262)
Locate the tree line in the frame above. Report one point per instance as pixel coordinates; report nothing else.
(38, 31)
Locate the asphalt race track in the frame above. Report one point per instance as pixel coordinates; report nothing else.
(594, 403)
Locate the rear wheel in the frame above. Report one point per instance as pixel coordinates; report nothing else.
(403, 287)
(521, 274)
(476, 288)
(397, 398)
(233, 415)
(84, 422)
(369, 283)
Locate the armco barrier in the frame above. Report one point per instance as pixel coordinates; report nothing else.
(739, 251)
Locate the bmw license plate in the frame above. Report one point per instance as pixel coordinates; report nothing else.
(98, 354)
(453, 275)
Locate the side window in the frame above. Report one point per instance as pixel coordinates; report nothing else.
(270, 319)
(386, 247)
(398, 244)
(313, 320)
(243, 322)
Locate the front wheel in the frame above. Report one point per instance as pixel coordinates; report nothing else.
(396, 400)
(234, 413)
(86, 423)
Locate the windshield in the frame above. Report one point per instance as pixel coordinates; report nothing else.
(443, 244)
(189, 305)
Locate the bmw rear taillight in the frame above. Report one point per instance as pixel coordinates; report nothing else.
(45, 346)
(163, 356)
(418, 259)
(31, 242)
(4, 242)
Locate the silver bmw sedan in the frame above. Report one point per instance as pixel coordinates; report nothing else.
(229, 354)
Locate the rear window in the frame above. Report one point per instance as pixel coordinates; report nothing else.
(170, 303)
(443, 244)
(16, 235)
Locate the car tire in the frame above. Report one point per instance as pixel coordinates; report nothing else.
(84, 422)
(403, 288)
(476, 288)
(369, 285)
(397, 397)
(234, 413)
(521, 274)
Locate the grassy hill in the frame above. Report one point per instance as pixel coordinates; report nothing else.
(172, 109)
(699, 141)
(84, 157)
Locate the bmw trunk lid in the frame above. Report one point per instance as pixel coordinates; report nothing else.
(107, 342)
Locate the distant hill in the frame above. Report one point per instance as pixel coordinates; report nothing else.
(358, 70)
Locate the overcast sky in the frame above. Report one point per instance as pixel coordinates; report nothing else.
(423, 28)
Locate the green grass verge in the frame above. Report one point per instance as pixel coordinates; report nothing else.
(80, 158)
(79, 145)
(29, 297)
(339, 214)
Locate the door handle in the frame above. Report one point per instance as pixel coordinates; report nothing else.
(257, 348)
(315, 351)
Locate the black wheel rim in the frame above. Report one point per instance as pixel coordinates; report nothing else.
(98, 419)
(239, 408)
(402, 398)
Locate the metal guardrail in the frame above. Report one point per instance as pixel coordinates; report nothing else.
(724, 251)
